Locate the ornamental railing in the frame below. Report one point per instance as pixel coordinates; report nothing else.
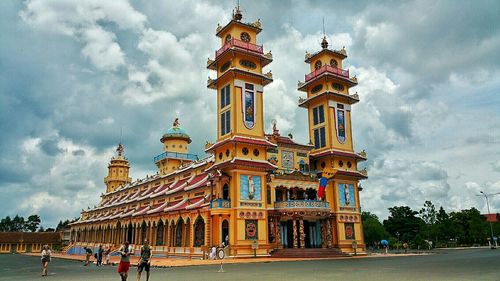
(242, 45)
(176, 155)
(301, 204)
(330, 69)
(220, 204)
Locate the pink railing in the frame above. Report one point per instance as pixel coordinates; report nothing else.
(240, 44)
(326, 68)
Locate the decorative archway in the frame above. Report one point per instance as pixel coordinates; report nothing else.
(178, 233)
(144, 229)
(224, 230)
(159, 233)
(129, 233)
(199, 232)
(187, 237)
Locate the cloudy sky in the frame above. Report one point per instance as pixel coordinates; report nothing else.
(73, 72)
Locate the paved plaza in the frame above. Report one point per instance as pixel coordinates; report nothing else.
(469, 264)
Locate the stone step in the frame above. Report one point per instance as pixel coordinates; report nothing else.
(308, 253)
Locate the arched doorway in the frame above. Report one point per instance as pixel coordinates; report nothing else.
(144, 229)
(188, 233)
(225, 192)
(199, 232)
(159, 233)
(225, 231)
(129, 233)
(178, 233)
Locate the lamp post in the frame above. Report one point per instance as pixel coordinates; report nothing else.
(493, 246)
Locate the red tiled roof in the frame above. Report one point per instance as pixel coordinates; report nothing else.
(141, 211)
(195, 203)
(174, 205)
(338, 153)
(253, 141)
(245, 163)
(157, 208)
(351, 173)
(197, 181)
(180, 185)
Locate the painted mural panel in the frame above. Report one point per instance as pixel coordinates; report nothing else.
(346, 195)
(251, 230)
(249, 109)
(340, 125)
(250, 187)
(349, 231)
(287, 159)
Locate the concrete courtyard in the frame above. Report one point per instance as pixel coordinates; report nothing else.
(463, 264)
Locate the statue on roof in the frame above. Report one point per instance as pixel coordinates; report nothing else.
(176, 124)
(119, 149)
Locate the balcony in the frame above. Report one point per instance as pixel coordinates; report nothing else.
(301, 204)
(240, 45)
(176, 155)
(220, 204)
(329, 69)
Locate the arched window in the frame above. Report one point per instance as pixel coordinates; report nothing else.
(225, 192)
(199, 232)
(317, 64)
(159, 233)
(144, 228)
(225, 231)
(178, 233)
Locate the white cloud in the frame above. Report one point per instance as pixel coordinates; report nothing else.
(101, 49)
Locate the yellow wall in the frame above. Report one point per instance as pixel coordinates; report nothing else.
(235, 30)
(235, 62)
(176, 145)
(325, 60)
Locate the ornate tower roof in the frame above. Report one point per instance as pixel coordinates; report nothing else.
(176, 132)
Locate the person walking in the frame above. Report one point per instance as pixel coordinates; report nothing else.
(46, 258)
(125, 252)
(88, 254)
(145, 260)
(107, 253)
(100, 251)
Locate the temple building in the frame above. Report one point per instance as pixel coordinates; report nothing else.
(256, 192)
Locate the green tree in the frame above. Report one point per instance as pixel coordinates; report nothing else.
(18, 224)
(470, 226)
(429, 216)
(32, 223)
(444, 230)
(403, 222)
(373, 229)
(6, 224)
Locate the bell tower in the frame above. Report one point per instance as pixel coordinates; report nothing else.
(118, 170)
(240, 149)
(329, 105)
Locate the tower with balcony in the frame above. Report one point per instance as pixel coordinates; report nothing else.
(240, 166)
(175, 150)
(329, 105)
(118, 170)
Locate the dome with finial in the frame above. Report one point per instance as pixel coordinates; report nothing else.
(176, 132)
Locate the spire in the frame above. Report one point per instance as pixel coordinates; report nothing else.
(237, 15)
(324, 42)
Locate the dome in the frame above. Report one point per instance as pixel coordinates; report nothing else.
(176, 132)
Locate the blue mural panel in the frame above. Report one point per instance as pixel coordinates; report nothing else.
(250, 187)
(346, 195)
